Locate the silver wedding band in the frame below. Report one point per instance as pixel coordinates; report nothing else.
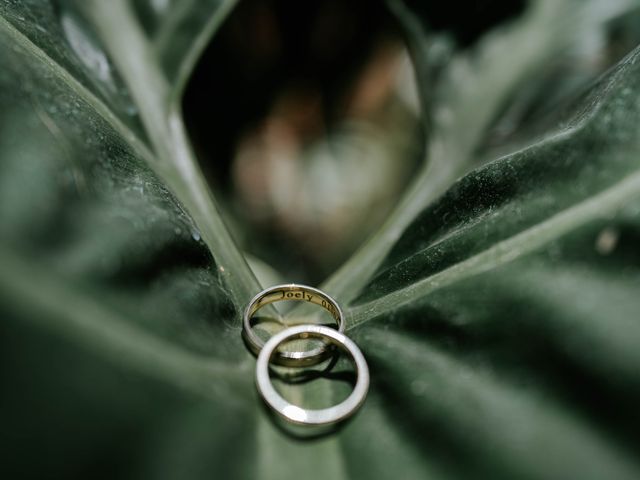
(291, 292)
(298, 415)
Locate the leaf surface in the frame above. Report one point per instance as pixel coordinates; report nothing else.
(498, 315)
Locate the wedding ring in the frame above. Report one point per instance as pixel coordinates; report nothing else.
(304, 416)
(288, 292)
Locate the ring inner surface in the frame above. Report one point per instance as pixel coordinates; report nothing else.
(297, 353)
(296, 294)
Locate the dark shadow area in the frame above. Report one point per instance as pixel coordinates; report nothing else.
(303, 376)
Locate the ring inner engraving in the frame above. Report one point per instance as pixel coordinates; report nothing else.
(291, 292)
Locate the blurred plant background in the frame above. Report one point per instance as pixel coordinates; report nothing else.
(462, 176)
(318, 122)
(318, 128)
(317, 117)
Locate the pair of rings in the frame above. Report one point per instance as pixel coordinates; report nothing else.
(270, 353)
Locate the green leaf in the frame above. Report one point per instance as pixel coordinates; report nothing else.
(458, 108)
(179, 31)
(498, 311)
(116, 318)
(509, 307)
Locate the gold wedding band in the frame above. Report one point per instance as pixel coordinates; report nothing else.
(291, 292)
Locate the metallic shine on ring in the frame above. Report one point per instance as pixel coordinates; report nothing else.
(300, 293)
(299, 415)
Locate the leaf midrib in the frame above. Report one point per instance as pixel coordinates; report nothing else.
(507, 250)
(449, 155)
(176, 165)
(198, 45)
